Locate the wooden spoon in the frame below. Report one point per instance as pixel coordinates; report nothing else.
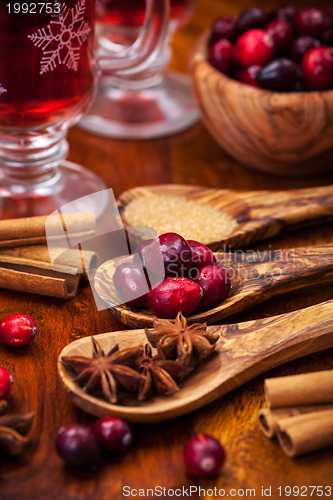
(243, 351)
(258, 214)
(255, 277)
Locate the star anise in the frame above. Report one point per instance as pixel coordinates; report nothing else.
(160, 374)
(176, 340)
(13, 430)
(107, 371)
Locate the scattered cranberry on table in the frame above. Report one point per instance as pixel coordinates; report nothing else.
(5, 382)
(114, 434)
(203, 456)
(274, 50)
(17, 330)
(77, 445)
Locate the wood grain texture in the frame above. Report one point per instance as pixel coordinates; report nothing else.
(259, 214)
(255, 277)
(155, 458)
(243, 351)
(279, 132)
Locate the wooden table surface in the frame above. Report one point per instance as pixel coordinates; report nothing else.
(155, 459)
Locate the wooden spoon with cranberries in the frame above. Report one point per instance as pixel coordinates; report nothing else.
(283, 50)
(170, 274)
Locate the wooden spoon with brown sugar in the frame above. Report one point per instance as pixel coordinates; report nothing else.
(255, 277)
(243, 351)
(248, 216)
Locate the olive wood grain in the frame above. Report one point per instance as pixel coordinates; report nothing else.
(285, 133)
(255, 277)
(259, 214)
(243, 351)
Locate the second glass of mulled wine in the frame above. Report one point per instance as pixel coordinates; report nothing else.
(149, 101)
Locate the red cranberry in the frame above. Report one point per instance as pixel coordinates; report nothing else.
(173, 295)
(248, 75)
(224, 27)
(203, 456)
(113, 433)
(169, 254)
(141, 252)
(17, 330)
(280, 74)
(131, 284)
(201, 256)
(221, 55)
(286, 13)
(253, 47)
(282, 34)
(77, 445)
(327, 37)
(317, 66)
(251, 18)
(311, 21)
(5, 382)
(301, 46)
(215, 284)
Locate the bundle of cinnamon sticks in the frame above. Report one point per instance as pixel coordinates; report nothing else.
(299, 411)
(35, 253)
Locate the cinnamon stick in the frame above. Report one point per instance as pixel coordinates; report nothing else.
(268, 419)
(297, 390)
(70, 260)
(36, 230)
(304, 433)
(30, 278)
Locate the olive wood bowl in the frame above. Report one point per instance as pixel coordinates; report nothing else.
(284, 133)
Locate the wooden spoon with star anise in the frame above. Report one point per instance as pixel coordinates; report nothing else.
(237, 353)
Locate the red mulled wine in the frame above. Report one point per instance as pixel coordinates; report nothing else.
(131, 13)
(46, 65)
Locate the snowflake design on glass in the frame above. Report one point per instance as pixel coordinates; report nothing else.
(2, 89)
(61, 40)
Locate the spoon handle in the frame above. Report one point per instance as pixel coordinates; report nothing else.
(250, 348)
(269, 213)
(258, 276)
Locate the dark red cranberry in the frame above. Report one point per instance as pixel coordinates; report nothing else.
(203, 456)
(17, 330)
(253, 47)
(114, 434)
(221, 55)
(224, 27)
(169, 254)
(251, 18)
(280, 74)
(286, 13)
(141, 252)
(5, 382)
(173, 295)
(311, 21)
(327, 37)
(248, 75)
(301, 45)
(282, 34)
(215, 284)
(77, 445)
(131, 284)
(201, 256)
(317, 66)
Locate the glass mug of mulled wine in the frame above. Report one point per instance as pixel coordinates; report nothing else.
(146, 104)
(47, 80)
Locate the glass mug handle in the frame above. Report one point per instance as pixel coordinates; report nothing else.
(148, 44)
